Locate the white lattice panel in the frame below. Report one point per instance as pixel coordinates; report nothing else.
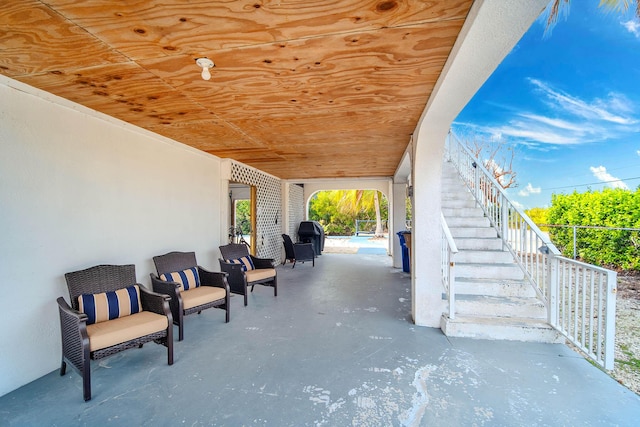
(268, 227)
(296, 210)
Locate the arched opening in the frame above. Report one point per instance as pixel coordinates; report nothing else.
(354, 221)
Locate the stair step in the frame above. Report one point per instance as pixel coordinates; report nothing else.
(497, 271)
(457, 203)
(462, 212)
(512, 329)
(483, 256)
(478, 243)
(503, 288)
(453, 184)
(484, 232)
(490, 306)
(455, 191)
(471, 221)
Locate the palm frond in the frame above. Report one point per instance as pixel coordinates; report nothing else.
(554, 9)
(621, 6)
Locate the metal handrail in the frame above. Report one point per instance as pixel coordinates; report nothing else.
(449, 250)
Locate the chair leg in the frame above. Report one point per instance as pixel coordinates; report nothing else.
(169, 344)
(86, 382)
(294, 264)
(245, 299)
(63, 367)
(180, 331)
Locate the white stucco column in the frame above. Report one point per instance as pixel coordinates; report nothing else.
(426, 283)
(398, 215)
(491, 30)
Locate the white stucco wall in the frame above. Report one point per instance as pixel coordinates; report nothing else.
(294, 209)
(77, 189)
(491, 30)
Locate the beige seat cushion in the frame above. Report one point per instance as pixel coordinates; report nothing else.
(201, 295)
(123, 329)
(263, 273)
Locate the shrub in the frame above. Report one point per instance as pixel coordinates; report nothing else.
(607, 208)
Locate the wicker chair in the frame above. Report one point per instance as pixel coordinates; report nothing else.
(263, 272)
(212, 292)
(82, 342)
(298, 251)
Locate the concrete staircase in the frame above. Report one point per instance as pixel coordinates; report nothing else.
(493, 299)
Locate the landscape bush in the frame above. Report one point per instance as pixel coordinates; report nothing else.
(620, 208)
(337, 210)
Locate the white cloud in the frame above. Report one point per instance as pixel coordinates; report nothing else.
(520, 129)
(557, 123)
(633, 27)
(617, 102)
(518, 205)
(528, 190)
(608, 110)
(566, 120)
(496, 136)
(638, 152)
(601, 173)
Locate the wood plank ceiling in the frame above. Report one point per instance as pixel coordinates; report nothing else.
(301, 88)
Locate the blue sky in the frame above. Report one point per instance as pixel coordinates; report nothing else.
(568, 103)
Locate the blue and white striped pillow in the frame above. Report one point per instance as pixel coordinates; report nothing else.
(110, 305)
(188, 279)
(246, 262)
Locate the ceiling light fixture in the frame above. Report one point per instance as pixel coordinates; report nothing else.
(206, 64)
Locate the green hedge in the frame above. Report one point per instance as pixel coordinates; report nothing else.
(607, 208)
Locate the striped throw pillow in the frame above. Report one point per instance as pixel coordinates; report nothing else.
(245, 262)
(188, 279)
(110, 305)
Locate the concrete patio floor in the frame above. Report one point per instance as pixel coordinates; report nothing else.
(335, 348)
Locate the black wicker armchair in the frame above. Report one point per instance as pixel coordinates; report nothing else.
(212, 291)
(247, 270)
(295, 252)
(93, 328)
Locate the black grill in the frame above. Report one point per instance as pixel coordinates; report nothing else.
(312, 232)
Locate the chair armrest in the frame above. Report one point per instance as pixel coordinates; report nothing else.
(260, 263)
(70, 312)
(230, 268)
(155, 302)
(304, 251)
(303, 245)
(164, 287)
(73, 328)
(213, 278)
(235, 275)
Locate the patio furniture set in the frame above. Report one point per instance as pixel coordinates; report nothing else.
(110, 312)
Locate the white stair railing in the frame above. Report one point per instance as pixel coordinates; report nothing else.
(579, 297)
(449, 250)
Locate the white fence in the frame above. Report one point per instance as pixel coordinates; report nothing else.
(580, 298)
